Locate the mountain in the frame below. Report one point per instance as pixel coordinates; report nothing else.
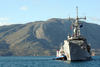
(42, 38)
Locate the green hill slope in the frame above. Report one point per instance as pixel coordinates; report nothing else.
(42, 37)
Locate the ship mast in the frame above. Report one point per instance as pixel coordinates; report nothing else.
(76, 25)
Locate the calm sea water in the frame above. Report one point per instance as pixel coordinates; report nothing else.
(45, 61)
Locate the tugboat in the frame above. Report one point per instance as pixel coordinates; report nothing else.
(76, 47)
(60, 55)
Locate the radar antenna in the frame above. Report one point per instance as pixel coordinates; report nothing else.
(77, 12)
(76, 25)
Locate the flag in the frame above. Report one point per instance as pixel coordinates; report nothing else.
(71, 27)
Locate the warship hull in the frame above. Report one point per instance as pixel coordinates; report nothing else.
(74, 52)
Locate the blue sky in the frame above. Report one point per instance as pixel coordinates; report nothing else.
(24, 11)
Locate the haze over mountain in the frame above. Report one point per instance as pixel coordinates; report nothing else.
(42, 37)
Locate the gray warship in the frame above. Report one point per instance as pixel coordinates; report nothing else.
(75, 47)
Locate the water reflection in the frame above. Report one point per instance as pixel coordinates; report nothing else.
(67, 61)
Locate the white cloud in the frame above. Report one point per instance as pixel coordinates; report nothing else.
(94, 19)
(37, 1)
(54, 17)
(24, 7)
(4, 23)
(4, 18)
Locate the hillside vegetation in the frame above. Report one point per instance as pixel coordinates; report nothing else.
(42, 38)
